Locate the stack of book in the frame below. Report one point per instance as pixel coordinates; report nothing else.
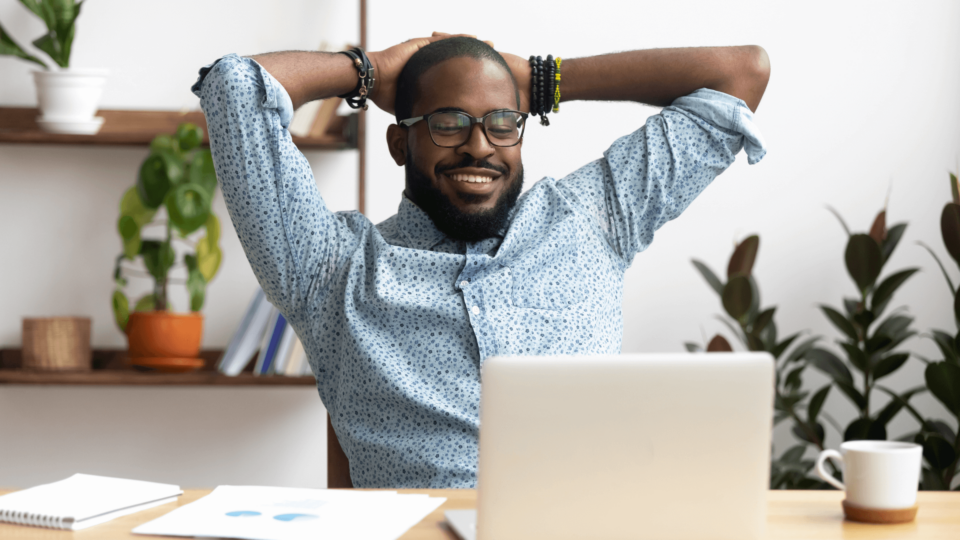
(264, 331)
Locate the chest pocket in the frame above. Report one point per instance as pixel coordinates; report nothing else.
(550, 276)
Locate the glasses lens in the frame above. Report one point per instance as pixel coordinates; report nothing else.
(504, 128)
(450, 128)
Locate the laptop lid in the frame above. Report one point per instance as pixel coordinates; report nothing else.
(663, 446)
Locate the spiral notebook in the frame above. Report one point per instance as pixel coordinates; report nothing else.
(82, 501)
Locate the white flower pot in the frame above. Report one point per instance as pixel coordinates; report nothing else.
(68, 100)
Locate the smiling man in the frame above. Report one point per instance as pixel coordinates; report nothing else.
(397, 318)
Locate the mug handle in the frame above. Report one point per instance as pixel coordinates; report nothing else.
(824, 456)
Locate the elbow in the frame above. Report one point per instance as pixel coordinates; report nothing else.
(756, 74)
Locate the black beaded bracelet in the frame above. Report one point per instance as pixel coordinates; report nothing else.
(357, 99)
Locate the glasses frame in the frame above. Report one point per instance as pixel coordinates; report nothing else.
(473, 120)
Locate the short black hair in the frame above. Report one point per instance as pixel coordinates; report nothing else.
(408, 87)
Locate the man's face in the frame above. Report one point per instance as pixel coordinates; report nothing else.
(467, 191)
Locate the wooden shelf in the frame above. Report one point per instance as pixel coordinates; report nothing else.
(110, 368)
(138, 128)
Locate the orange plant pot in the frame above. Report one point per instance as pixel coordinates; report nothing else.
(165, 341)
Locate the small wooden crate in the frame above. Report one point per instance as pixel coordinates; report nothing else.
(57, 344)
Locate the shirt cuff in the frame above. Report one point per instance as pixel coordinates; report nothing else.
(275, 95)
(728, 112)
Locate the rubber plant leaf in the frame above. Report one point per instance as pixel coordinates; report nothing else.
(863, 260)
(828, 363)
(188, 206)
(841, 322)
(940, 264)
(763, 319)
(816, 402)
(894, 234)
(719, 344)
(745, 254)
(865, 428)
(954, 188)
(947, 345)
(888, 365)
(840, 219)
(153, 182)
(121, 309)
(950, 229)
(708, 275)
(943, 380)
(189, 136)
(9, 47)
(884, 291)
(878, 231)
(738, 297)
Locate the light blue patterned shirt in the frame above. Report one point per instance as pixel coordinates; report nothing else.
(397, 319)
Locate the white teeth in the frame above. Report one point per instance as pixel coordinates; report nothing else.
(471, 178)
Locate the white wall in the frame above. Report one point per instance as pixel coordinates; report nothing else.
(863, 96)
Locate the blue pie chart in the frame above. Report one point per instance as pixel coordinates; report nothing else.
(295, 517)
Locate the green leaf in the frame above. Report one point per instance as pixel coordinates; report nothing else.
(754, 343)
(118, 272)
(692, 347)
(940, 264)
(930, 480)
(943, 380)
(893, 238)
(708, 275)
(153, 182)
(173, 165)
(840, 322)
(147, 302)
(164, 142)
(48, 44)
(763, 319)
(741, 262)
(130, 234)
(828, 363)
(816, 402)
(121, 309)
(855, 396)
(196, 284)
(188, 206)
(158, 257)
(852, 306)
(889, 364)
(950, 229)
(189, 136)
(793, 380)
(938, 452)
(887, 287)
(794, 454)
(856, 356)
(865, 429)
(877, 343)
(783, 345)
(202, 172)
(802, 434)
(863, 260)
(802, 349)
(769, 335)
(947, 345)
(904, 400)
(738, 297)
(895, 327)
(9, 47)
(131, 205)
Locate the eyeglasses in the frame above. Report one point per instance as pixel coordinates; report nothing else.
(450, 129)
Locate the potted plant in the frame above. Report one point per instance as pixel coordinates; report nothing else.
(168, 210)
(67, 97)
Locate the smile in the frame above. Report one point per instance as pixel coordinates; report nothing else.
(471, 178)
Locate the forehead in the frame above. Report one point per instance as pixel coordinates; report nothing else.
(476, 86)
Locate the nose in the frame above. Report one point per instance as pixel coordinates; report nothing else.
(477, 145)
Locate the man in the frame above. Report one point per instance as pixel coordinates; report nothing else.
(398, 318)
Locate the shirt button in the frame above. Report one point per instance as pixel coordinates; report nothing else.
(475, 310)
(463, 284)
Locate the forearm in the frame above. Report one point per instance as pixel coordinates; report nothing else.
(308, 76)
(659, 76)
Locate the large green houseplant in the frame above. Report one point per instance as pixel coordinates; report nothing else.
(67, 96)
(168, 206)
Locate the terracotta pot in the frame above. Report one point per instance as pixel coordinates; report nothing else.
(164, 340)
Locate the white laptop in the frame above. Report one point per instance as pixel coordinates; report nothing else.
(658, 446)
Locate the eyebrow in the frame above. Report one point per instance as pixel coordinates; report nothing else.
(458, 109)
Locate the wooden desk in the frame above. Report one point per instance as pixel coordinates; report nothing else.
(806, 515)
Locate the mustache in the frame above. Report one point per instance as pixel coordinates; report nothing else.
(468, 161)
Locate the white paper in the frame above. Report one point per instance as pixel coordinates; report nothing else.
(272, 513)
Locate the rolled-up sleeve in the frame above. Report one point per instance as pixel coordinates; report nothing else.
(294, 244)
(650, 176)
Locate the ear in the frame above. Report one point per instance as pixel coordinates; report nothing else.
(397, 143)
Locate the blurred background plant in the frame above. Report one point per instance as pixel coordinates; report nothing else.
(756, 330)
(869, 354)
(60, 17)
(178, 176)
(941, 442)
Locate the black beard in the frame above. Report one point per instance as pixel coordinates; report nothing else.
(450, 220)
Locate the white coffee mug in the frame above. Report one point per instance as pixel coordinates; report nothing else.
(877, 474)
